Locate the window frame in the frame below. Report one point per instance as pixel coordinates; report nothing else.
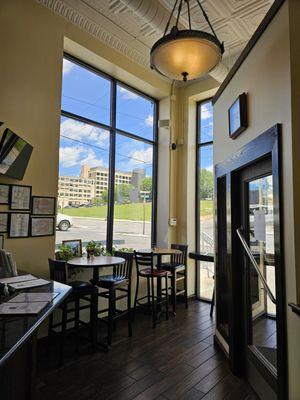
(199, 145)
(112, 145)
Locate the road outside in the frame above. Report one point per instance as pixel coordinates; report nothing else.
(126, 233)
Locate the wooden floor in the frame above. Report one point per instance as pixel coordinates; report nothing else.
(177, 360)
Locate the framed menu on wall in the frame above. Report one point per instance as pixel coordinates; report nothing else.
(18, 225)
(42, 205)
(20, 198)
(42, 226)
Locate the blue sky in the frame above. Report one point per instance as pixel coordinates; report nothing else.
(87, 94)
(206, 135)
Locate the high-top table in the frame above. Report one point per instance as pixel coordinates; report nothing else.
(95, 262)
(18, 342)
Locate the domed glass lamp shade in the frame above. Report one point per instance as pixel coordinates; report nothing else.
(186, 54)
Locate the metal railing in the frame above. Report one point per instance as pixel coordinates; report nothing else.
(239, 231)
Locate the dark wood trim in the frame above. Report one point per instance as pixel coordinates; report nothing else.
(267, 144)
(253, 40)
(195, 255)
(295, 308)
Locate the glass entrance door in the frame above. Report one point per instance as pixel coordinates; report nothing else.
(257, 247)
(262, 309)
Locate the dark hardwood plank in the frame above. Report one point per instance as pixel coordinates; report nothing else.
(177, 360)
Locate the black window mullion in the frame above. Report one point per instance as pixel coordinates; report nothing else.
(154, 178)
(112, 160)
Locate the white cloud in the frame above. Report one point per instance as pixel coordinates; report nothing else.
(206, 112)
(149, 120)
(67, 66)
(79, 131)
(91, 159)
(127, 94)
(71, 156)
(210, 168)
(139, 157)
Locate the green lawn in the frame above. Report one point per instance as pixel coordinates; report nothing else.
(206, 208)
(132, 212)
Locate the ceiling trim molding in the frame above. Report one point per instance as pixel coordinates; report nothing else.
(84, 23)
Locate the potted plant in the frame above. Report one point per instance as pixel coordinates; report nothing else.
(94, 249)
(64, 253)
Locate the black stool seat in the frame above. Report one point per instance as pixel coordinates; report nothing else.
(148, 272)
(107, 281)
(81, 291)
(145, 269)
(80, 286)
(179, 272)
(171, 266)
(118, 286)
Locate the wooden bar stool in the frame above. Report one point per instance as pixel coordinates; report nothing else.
(119, 281)
(80, 291)
(178, 272)
(145, 269)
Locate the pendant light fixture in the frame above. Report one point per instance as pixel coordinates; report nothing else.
(186, 54)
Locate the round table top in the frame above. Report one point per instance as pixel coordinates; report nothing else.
(161, 251)
(92, 262)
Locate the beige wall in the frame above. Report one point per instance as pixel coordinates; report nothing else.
(265, 76)
(32, 41)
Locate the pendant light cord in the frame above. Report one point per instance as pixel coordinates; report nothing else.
(171, 15)
(189, 17)
(189, 13)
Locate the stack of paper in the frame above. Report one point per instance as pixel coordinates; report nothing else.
(24, 281)
(22, 308)
(27, 303)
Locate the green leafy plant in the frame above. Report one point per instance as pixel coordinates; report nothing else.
(123, 249)
(64, 253)
(95, 248)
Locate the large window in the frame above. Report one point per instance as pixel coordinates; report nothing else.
(108, 147)
(204, 206)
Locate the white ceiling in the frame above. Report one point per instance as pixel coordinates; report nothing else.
(121, 28)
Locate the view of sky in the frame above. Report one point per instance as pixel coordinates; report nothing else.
(88, 95)
(206, 135)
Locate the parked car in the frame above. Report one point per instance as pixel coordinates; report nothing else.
(63, 222)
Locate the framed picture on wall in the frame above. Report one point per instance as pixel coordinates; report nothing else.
(42, 226)
(237, 116)
(4, 194)
(3, 222)
(42, 205)
(20, 198)
(76, 246)
(18, 225)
